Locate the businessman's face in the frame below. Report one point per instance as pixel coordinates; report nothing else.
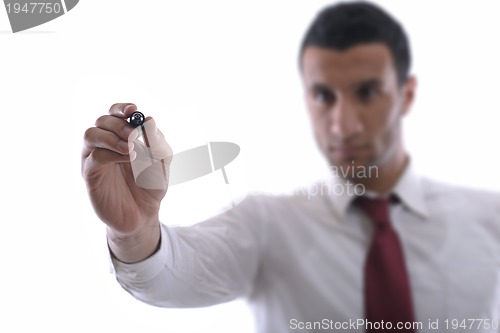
(356, 104)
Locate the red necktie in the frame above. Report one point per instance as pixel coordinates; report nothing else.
(387, 288)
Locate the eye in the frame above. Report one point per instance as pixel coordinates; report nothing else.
(366, 92)
(323, 96)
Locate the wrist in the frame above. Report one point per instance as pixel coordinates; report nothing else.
(137, 245)
(139, 232)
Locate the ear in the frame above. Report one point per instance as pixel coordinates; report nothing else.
(408, 91)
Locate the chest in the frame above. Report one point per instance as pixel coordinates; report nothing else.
(453, 264)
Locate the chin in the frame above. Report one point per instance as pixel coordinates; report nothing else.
(351, 160)
(353, 168)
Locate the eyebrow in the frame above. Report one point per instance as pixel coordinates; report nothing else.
(319, 87)
(373, 82)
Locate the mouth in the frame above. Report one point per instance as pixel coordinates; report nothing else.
(348, 150)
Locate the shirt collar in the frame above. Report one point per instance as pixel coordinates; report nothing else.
(341, 193)
(408, 189)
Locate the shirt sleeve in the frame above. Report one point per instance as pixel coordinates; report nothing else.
(211, 262)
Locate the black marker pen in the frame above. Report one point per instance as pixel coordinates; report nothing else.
(137, 119)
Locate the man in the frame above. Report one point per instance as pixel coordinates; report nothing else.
(373, 248)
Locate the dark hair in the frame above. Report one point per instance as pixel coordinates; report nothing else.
(343, 25)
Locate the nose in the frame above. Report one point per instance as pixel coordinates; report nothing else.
(345, 121)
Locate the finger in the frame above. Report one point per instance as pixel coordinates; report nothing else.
(122, 110)
(99, 158)
(155, 140)
(119, 127)
(98, 138)
(154, 135)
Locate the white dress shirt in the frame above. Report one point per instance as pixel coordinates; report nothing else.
(299, 258)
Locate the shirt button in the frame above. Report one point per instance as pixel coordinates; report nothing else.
(132, 274)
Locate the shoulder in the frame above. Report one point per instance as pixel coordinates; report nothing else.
(462, 199)
(434, 189)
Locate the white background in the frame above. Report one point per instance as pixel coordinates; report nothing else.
(207, 71)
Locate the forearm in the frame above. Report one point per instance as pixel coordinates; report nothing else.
(205, 264)
(193, 266)
(135, 247)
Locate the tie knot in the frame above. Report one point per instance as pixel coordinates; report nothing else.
(377, 209)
